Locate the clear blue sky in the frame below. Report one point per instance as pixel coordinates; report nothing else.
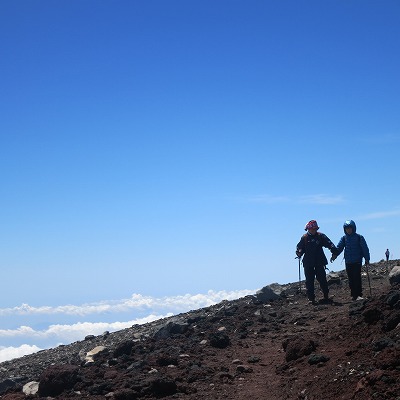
(171, 147)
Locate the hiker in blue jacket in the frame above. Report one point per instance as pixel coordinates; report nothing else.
(314, 261)
(355, 249)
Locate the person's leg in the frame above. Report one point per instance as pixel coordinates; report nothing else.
(357, 279)
(321, 278)
(309, 273)
(350, 276)
(354, 274)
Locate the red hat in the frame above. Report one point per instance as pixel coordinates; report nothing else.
(312, 224)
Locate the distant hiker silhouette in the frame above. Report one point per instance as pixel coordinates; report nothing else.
(387, 254)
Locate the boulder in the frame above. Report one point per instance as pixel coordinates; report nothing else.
(171, 328)
(393, 298)
(7, 384)
(31, 388)
(57, 379)
(92, 354)
(394, 275)
(297, 347)
(317, 359)
(162, 387)
(219, 340)
(123, 348)
(269, 292)
(392, 321)
(333, 278)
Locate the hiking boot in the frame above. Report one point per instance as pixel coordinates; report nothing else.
(359, 298)
(311, 302)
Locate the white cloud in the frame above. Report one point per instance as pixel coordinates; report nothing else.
(21, 331)
(54, 334)
(379, 215)
(8, 353)
(365, 217)
(322, 199)
(136, 302)
(64, 334)
(70, 333)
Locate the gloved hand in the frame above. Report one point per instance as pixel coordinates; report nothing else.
(298, 253)
(333, 258)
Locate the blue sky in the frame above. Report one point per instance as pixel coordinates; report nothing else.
(177, 148)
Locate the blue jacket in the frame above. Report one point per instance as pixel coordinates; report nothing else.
(354, 245)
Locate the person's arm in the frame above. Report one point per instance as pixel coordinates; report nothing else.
(300, 248)
(329, 244)
(364, 249)
(338, 249)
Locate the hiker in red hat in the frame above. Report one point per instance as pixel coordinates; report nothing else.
(314, 261)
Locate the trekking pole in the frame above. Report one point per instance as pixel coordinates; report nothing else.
(299, 274)
(369, 281)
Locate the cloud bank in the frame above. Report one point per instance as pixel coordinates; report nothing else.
(26, 339)
(8, 353)
(135, 302)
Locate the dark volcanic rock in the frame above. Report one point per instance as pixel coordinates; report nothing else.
(372, 315)
(7, 384)
(125, 394)
(317, 359)
(392, 320)
(124, 348)
(162, 387)
(219, 340)
(297, 347)
(393, 298)
(57, 379)
(171, 328)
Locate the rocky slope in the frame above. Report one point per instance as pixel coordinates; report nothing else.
(253, 347)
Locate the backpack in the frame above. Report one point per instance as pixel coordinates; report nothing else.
(305, 236)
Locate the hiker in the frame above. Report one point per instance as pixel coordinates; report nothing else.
(355, 249)
(314, 261)
(387, 254)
